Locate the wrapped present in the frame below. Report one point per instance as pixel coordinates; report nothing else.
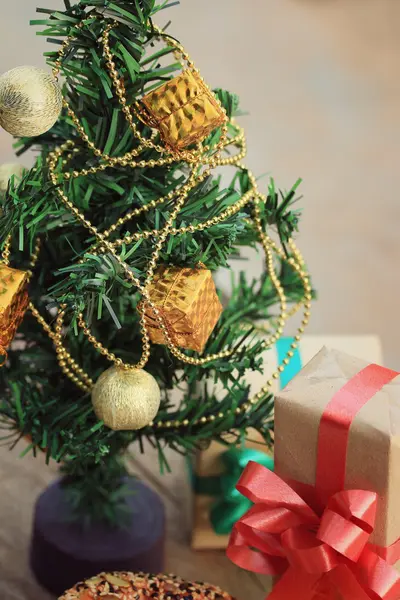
(335, 489)
(214, 461)
(367, 347)
(188, 302)
(13, 304)
(184, 110)
(218, 505)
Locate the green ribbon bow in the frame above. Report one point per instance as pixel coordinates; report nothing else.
(230, 505)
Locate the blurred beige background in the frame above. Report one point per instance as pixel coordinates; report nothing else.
(320, 79)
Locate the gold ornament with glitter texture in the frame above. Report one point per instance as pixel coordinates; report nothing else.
(30, 101)
(13, 304)
(184, 110)
(188, 302)
(126, 398)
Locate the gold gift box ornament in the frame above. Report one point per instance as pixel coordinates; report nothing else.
(184, 110)
(188, 302)
(13, 304)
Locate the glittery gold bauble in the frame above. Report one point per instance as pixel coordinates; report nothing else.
(126, 399)
(30, 101)
(7, 171)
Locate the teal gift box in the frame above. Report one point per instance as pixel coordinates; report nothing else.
(217, 504)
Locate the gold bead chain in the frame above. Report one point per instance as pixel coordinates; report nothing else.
(6, 252)
(163, 234)
(226, 214)
(197, 159)
(5, 256)
(104, 243)
(60, 350)
(67, 364)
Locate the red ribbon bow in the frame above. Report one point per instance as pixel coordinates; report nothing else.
(319, 556)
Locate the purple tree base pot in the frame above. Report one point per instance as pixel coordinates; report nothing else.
(63, 553)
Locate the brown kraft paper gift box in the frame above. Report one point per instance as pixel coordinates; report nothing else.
(373, 454)
(208, 462)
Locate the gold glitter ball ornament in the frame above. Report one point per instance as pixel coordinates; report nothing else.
(184, 110)
(30, 101)
(126, 399)
(13, 304)
(7, 170)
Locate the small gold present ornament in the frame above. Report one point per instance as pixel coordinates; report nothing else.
(13, 304)
(188, 302)
(184, 110)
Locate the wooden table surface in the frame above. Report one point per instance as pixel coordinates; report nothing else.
(24, 479)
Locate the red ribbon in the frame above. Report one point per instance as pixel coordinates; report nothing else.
(324, 555)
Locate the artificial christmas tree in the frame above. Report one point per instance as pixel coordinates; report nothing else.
(128, 186)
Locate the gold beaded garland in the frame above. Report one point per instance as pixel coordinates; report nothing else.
(201, 160)
(126, 399)
(30, 101)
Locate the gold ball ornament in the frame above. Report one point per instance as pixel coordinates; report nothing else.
(7, 170)
(126, 399)
(30, 101)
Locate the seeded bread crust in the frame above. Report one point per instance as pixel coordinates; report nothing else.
(132, 586)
